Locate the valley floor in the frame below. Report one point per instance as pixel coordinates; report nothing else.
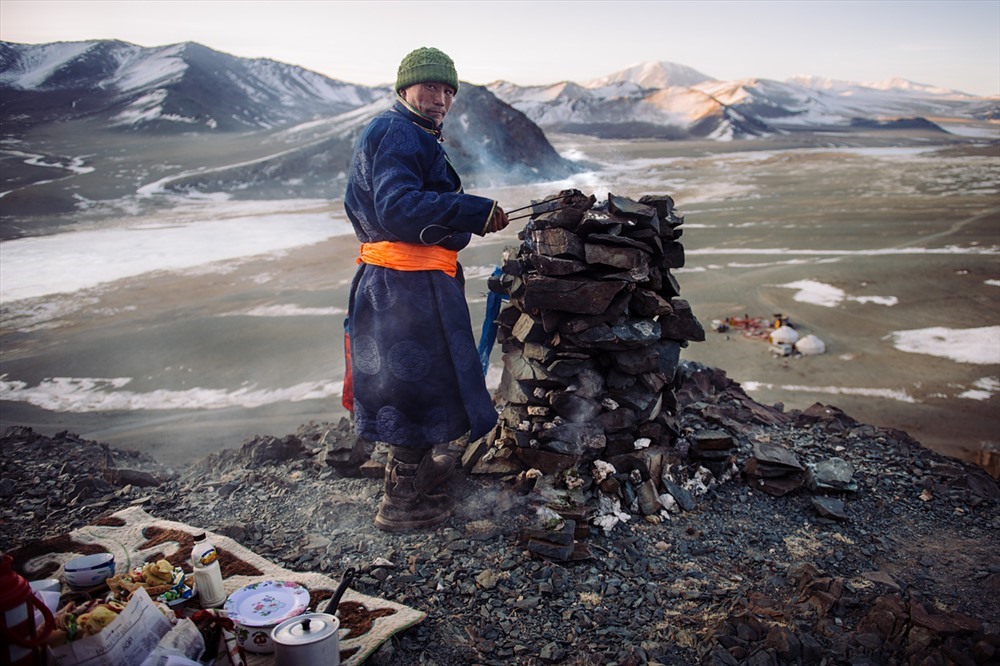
(896, 239)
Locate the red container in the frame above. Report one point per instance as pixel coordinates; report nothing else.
(23, 642)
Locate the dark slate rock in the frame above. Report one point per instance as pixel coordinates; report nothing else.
(777, 487)
(663, 204)
(561, 534)
(776, 455)
(834, 474)
(544, 293)
(573, 438)
(563, 218)
(574, 407)
(621, 242)
(557, 243)
(637, 361)
(673, 255)
(511, 391)
(630, 208)
(617, 257)
(634, 332)
(829, 507)
(684, 498)
(755, 467)
(619, 419)
(646, 303)
(547, 462)
(669, 288)
(681, 324)
(595, 337)
(556, 266)
(715, 440)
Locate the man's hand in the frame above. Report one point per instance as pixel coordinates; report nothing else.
(498, 221)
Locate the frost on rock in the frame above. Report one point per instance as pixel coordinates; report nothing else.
(548, 517)
(609, 513)
(602, 470)
(669, 503)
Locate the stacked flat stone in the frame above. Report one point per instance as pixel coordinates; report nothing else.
(592, 333)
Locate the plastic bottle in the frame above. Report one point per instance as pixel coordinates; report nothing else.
(207, 573)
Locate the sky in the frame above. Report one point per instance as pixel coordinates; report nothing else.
(952, 43)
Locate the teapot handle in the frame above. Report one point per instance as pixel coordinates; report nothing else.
(331, 608)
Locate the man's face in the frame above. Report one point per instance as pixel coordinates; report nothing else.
(431, 99)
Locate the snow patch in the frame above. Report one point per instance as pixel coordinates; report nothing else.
(828, 296)
(964, 345)
(41, 62)
(892, 394)
(194, 235)
(286, 311)
(984, 389)
(100, 394)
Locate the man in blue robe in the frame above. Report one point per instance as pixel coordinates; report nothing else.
(417, 379)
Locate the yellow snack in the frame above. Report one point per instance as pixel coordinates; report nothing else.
(123, 585)
(158, 573)
(156, 577)
(92, 622)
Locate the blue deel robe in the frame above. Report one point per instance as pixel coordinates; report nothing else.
(415, 367)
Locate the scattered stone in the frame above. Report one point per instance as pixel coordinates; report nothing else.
(742, 577)
(774, 470)
(832, 475)
(829, 507)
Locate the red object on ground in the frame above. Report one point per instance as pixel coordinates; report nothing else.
(16, 595)
(348, 395)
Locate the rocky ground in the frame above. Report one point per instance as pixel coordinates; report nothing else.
(900, 566)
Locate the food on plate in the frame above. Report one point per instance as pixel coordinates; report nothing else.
(161, 580)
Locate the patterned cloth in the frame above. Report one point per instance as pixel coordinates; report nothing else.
(415, 369)
(134, 536)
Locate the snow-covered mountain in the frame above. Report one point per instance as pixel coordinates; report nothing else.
(112, 120)
(181, 86)
(653, 75)
(128, 120)
(662, 99)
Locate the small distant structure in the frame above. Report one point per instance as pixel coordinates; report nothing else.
(783, 340)
(810, 345)
(779, 331)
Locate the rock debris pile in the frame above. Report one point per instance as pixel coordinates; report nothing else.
(591, 340)
(736, 576)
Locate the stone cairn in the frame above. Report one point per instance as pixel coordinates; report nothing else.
(591, 339)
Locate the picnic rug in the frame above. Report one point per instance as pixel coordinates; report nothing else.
(134, 537)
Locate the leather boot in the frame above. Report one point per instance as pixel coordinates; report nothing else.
(440, 461)
(407, 503)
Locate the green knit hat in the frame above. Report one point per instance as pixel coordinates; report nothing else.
(426, 64)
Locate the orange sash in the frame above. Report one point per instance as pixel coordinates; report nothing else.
(409, 257)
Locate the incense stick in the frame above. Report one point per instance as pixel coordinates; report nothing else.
(539, 203)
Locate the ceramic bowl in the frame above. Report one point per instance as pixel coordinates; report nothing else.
(89, 570)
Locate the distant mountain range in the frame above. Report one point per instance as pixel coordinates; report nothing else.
(116, 120)
(667, 100)
(113, 120)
